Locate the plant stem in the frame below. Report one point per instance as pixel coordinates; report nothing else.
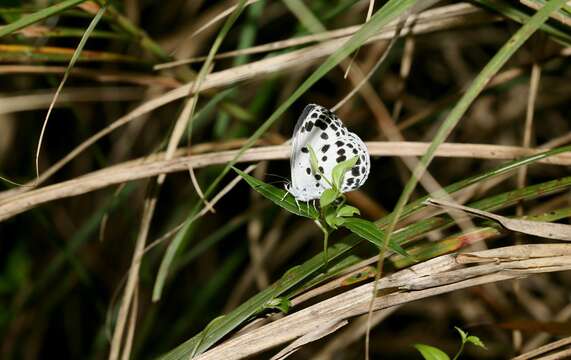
(325, 230)
(459, 351)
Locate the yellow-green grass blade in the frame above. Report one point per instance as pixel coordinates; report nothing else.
(38, 16)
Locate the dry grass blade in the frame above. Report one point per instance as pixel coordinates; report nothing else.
(12, 203)
(321, 331)
(536, 228)
(97, 75)
(543, 349)
(437, 276)
(427, 21)
(41, 99)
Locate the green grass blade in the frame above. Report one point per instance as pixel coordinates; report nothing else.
(370, 232)
(305, 16)
(479, 83)
(279, 197)
(38, 16)
(511, 11)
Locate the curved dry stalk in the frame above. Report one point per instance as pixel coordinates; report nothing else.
(155, 165)
(543, 349)
(433, 16)
(40, 99)
(440, 275)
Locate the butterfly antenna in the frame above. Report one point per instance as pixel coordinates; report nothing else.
(277, 176)
(278, 182)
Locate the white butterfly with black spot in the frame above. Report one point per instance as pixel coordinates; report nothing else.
(332, 143)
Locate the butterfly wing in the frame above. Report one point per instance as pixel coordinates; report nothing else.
(358, 174)
(316, 128)
(333, 143)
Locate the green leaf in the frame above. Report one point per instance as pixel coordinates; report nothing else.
(340, 169)
(279, 196)
(313, 160)
(463, 334)
(328, 196)
(348, 211)
(431, 353)
(474, 340)
(332, 219)
(369, 231)
(282, 304)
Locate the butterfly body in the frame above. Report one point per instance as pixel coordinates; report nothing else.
(321, 130)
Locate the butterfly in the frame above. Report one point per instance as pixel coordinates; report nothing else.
(323, 131)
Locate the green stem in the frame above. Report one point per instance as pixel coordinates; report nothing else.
(459, 351)
(325, 230)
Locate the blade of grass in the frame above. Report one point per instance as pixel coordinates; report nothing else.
(72, 62)
(509, 10)
(16, 52)
(38, 16)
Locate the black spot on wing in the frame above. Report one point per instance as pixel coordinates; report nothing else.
(321, 124)
(324, 136)
(304, 150)
(341, 158)
(324, 158)
(341, 151)
(308, 126)
(339, 143)
(308, 171)
(355, 171)
(324, 148)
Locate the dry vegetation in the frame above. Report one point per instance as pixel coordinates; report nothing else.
(124, 233)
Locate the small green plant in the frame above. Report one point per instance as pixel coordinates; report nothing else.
(433, 353)
(333, 211)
